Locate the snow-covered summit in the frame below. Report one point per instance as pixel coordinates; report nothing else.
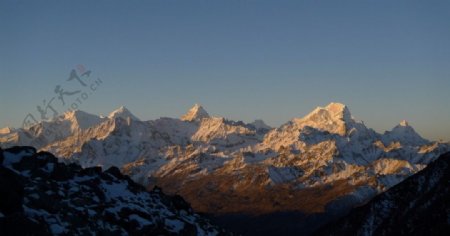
(404, 123)
(196, 113)
(334, 118)
(339, 111)
(404, 133)
(122, 112)
(80, 119)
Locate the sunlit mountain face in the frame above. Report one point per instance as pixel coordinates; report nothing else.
(248, 177)
(253, 118)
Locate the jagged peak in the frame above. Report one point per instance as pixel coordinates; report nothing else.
(336, 106)
(196, 113)
(404, 133)
(76, 114)
(404, 123)
(335, 110)
(339, 110)
(403, 126)
(334, 118)
(81, 119)
(122, 112)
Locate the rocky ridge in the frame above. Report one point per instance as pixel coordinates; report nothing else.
(41, 196)
(420, 205)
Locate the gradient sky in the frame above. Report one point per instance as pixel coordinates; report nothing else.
(386, 60)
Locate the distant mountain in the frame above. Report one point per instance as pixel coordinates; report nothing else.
(196, 113)
(404, 133)
(122, 112)
(326, 162)
(420, 205)
(39, 196)
(260, 126)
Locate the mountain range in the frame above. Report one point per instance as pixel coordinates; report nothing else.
(321, 165)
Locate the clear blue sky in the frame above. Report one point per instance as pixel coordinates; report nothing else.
(387, 60)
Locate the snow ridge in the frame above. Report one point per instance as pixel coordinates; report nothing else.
(325, 147)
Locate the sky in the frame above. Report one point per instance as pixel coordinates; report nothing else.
(244, 60)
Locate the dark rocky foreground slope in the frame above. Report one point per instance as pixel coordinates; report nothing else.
(420, 205)
(39, 196)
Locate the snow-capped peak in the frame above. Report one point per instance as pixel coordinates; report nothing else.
(404, 133)
(404, 123)
(339, 110)
(122, 112)
(334, 118)
(196, 113)
(335, 111)
(403, 126)
(81, 119)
